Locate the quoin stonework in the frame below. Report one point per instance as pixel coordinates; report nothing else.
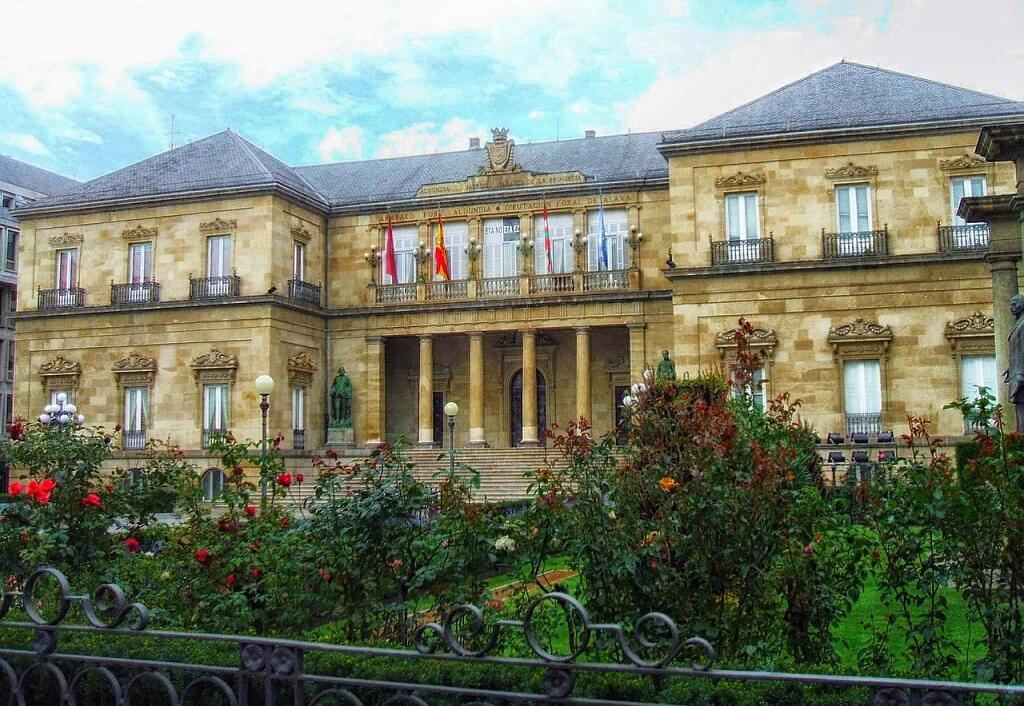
(154, 295)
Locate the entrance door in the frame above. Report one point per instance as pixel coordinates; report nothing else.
(621, 432)
(516, 411)
(439, 419)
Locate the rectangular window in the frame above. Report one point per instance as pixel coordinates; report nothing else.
(965, 187)
(977, 371)
(140, 263)
(9, 409)
(406, 238)
(218, 256)
(7, 200)
(12, 305)
(215, 408)
(11, 251)
(456, 240)
(501, 247)
(853, 208)
(298, 408)
(741, 217)
(755, 389)
(67, 269)
(298, 261)
(616, 226)
(862, 386)
(136, 409)
(560, 230)
(10, 360)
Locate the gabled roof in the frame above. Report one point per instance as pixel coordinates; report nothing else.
(848, 95)
(221, 162)
(599, 159)
(14, 171)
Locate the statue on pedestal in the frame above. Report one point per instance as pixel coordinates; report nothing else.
(1015, 373)
(666, 368)
(341, 401)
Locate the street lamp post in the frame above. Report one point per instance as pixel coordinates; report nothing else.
(264, 386)
(451, 409)
(61, 414)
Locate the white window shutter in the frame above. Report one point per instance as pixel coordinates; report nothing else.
(852, 375)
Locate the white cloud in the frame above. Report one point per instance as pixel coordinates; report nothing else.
(747, 64)
(426, 137)
(24, 141)
(346, 143)
(78, 134)
(536, 114)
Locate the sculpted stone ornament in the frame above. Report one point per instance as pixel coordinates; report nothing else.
(1015, 374)
(499, 153)
(341, 401)
(666, 368)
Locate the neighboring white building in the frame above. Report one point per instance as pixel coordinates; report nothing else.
(20, 184)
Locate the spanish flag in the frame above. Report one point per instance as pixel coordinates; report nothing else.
(440, 254)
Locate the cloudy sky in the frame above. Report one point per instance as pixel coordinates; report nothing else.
(86, 88)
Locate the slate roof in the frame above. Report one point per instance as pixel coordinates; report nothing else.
(7, 218)
(600, 159)
(849, 95)
(221, 161)
(14, 171)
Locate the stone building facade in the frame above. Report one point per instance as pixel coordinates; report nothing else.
(829, 224)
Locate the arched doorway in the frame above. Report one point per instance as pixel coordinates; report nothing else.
(516, 412)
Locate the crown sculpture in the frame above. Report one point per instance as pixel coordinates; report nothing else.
(499, 153)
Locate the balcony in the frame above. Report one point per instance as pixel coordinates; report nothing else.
(298, 439)
(733, 252)
(868, 243)
(551, 284)
(209, 434)
(133, 440)
(135, 293)
(863, 423)
(396, 293)
(604, 281)
(965, 238)
(498, 287)
(444, 291)
(304, 292)
(50, 299)
(214, 287)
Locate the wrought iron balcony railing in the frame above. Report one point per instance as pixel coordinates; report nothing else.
(971, 236)
(868, 243)
(133, 440)
(439, 291)
(209, 434)
(545, 284)
(498, 287)
(135, 293)
(729, 252)
(863, 423)
(392, 293)
(214, 287)
(304, 292)
(298, 439)
(61, 298)
(609, 279)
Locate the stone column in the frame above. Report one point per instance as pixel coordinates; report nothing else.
(530, 437)
(476, 390)
(583, 373)
(637, 352)
(1004, 286)
(426, 415)
(374, 434)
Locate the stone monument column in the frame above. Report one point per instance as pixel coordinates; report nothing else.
(426, 398)
(637, 352)
(583, 407)
(530, 437)
(476, 390)
(375, 434)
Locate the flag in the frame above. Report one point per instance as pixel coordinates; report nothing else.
(547, 239)
(603, 242)
(440, 254)
(390, 265)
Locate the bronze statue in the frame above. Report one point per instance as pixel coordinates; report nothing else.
(1015, 374)
(666, 368)
(341, 401)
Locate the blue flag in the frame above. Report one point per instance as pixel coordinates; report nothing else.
(603, 245)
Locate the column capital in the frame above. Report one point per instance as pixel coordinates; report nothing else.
(424, 336)
(636, 326)
(529, 332)
(581, 330)
(1002, 259)
(475, 334)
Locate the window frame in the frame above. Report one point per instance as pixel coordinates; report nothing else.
(455, 247)
(852, 188)
(617, 244)
(215, 484)
(225, 405)
(504, 243)
(955, 202)
(563, 254)
(11, 235)
(743, 212)
(408, 235)
(298, 261)
(72, 280)
(147, 262)
(225, 269)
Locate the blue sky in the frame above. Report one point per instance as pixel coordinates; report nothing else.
(89, 87)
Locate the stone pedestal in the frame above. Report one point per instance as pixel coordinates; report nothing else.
(336, 436)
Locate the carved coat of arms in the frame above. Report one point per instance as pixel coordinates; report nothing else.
(499, 153)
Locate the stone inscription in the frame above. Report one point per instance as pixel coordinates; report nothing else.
(509, 207)
(500, 181)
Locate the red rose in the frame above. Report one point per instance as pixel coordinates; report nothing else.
(284, 479)
(110, 488)
(117, 428)
(17, 430)
(14, 488)
(808, 550)
(92, 500)
(202, 556)
(230, 580)
(256, 572)
(285, 522)
(250, 510)
(299, 477)
(654, 565)
(40, 492)
(131, 545)
(24, 536)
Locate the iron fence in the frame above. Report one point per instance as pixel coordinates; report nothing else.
(869, 243)
(214, 287)
(870, 423)
(135, 293)
(61, 298)
(298, 439)
(971, 236)
(304, 291)
(274, 671)
(133, 440)
(728, 252)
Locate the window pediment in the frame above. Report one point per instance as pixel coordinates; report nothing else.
(860, 339)
(218, 225)
(60, 374)
(852, 171)
(300, 370)
(740, 180)
(761, 341)
(215, 367)
(963, 162)
(139, 232)
(971, 334)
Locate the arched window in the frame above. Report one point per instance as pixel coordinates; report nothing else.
(133, 478)
(213, 484)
